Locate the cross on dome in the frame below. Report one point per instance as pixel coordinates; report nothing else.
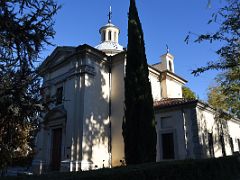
(110, 15)
(167, 48)
(109, 37)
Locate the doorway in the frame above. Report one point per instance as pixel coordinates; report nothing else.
(56, 149)
(168, 146)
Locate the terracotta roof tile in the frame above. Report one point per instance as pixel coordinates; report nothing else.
(167, 102)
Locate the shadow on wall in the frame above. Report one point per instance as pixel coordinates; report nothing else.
(215, 134)
(222, 131)
(96, 125)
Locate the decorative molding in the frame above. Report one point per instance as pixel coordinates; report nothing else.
(86, 69)
(83, 69)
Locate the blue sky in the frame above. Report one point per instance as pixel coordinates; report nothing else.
(163, 21)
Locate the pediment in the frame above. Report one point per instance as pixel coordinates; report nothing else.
(58, 56)
(57, 115)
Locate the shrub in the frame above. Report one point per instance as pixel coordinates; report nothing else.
(208, 169)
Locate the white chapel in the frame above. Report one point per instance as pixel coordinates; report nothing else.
(82, 129)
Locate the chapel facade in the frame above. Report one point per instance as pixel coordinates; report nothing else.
(83, 128)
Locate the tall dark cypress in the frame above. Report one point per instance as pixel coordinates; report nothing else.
(138, 126)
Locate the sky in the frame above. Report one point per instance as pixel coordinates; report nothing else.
(163, 22)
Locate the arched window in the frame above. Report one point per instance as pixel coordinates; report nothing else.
(115, 36)
(103, 36)
(109, 35)
(170, 65)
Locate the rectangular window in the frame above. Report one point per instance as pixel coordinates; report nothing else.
(238, 141)
(109, 35)
(167, 122)
(231, 144)
(115, 36)
(210, 144)
(59, 95)
(103, 35)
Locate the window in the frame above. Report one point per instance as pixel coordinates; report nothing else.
(167, 122)
(210, 144)
(231, 144)
(170, 65)
(238, 141)
(103, 36)
(59, 95)
(115, 36)
(168, 146)
(109, 35)
(221, 141)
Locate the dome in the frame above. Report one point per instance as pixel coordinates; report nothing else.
(109, 46)
(109, 38)
(107, 26)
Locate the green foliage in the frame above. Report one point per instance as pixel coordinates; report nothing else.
(138, 126)
(25, 27)
(226, 94)
(188, 93)
(207, 169)
(228, 33)
(216, 98)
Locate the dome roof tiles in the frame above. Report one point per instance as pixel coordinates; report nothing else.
(109, 45)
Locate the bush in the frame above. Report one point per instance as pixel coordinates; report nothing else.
(207, 169)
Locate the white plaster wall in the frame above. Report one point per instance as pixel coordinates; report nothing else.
(163, 89)
(192, 131)
(70, 90)
(75, 119)
(206, 124)
(163, 65)
(188, 122)
(70, 98)
(40, 151)
(155, 86)
(165, 59)
(60, 71)
(87, 105)
(96, 117)
(209, 124)
(112, 29)
(44, 136)
(85, 98)
(177, 127)
(174, 89)
(234, 132)
(117, 102)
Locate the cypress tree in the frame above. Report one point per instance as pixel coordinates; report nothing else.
(138, 126)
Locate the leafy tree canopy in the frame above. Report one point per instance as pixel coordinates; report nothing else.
(188, 93)
(227, 93)
(25, 27)
(228, 33)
